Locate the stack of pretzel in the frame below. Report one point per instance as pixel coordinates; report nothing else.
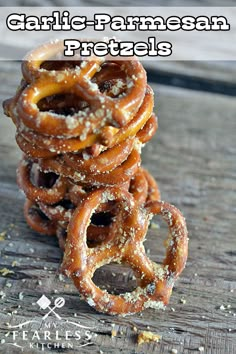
(81, 125)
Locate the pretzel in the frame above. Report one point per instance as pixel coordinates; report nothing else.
(58, 212)
(61, 213)
(153, 189)
(39, 145)
(110, 136)
(37, 220)
(32, 150)
(124, 245)
(9, 105)
(52, 203)
(102, 108)
(50, 195)
(139, 187)
(104, 162)
(144, 187)
(22, 107)
(149, 129)
(119, 175)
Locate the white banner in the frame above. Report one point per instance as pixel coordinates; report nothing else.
(151, 33)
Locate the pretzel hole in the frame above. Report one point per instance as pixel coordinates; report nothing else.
(35, 210)
(42, 179)
(100, 232)
(113, 88)
(63, 104)
(59, 65)
(157, 239)
(102, 219)
(115, 278)
(66, 204)
(111, 80)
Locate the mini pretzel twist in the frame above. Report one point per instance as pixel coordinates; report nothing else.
(125, 245)
(81, 125)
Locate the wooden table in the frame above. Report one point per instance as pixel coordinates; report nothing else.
(193, 158)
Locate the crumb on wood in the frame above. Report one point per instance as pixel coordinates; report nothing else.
(113, 333)
(2, 235)
(2, 295)
(154, 226)
(174, 351)
(61, 277)
(14, 263)
(6, 271)
(146, 337)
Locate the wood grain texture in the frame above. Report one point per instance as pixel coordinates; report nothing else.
(174, 3)
(192, 156)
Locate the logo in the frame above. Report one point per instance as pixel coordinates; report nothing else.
(51, 331)
(44, 303)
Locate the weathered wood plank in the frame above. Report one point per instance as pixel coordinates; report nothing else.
(219, 72)
(124, 3)
(193, 158)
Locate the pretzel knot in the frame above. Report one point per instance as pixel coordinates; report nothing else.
(103, 95)
(125, 245)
